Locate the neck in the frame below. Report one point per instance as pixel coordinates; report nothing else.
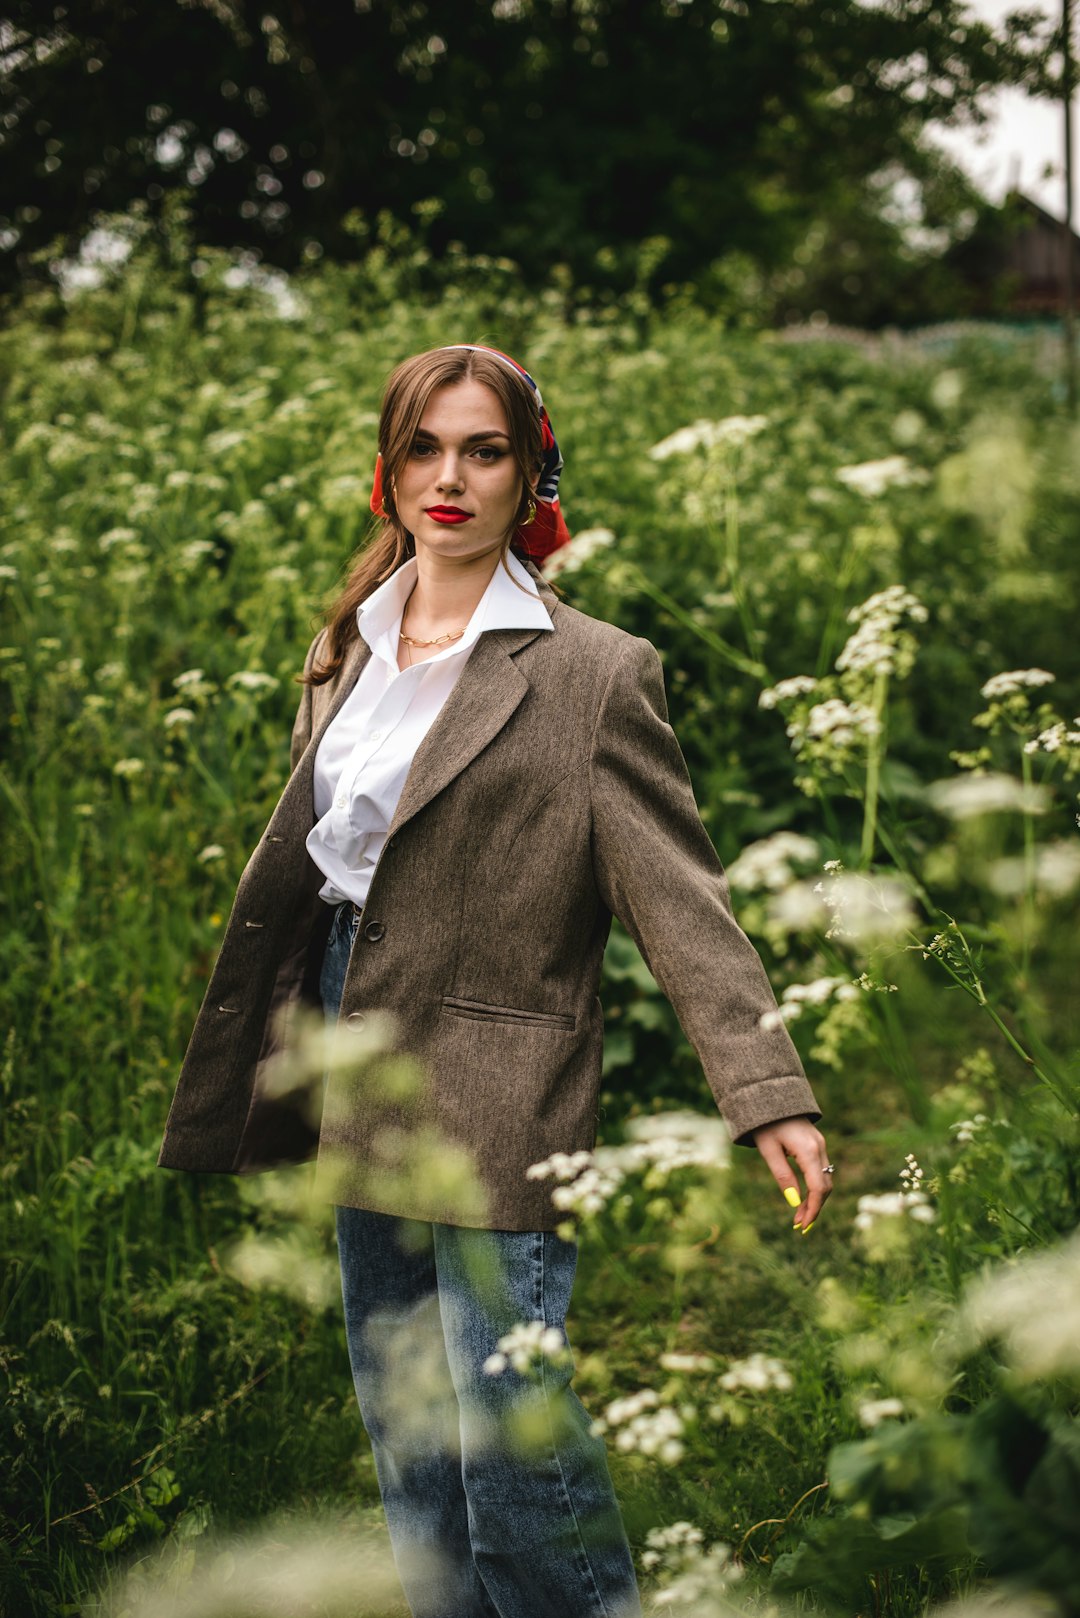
(447, 591)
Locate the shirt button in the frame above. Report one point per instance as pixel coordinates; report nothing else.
(355, 1021)
(374, 931)
(376, 735)
(339, 801)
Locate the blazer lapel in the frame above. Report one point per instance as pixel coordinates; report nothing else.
(485, 694)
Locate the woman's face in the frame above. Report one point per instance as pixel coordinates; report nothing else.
(459, 489)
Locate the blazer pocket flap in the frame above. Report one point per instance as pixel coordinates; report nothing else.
(484, 1011)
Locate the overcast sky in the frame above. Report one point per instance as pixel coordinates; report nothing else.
(1025, 136)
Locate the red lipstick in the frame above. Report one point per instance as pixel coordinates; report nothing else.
(451, 515)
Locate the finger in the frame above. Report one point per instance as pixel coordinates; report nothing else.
(818, 1185)
(776, 1159)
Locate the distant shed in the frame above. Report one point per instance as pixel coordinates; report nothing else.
(1015, 260)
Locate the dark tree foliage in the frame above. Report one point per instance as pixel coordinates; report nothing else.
(761, 133)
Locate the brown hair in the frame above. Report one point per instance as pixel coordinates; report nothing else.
(389, 543)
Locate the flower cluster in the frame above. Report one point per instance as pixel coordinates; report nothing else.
(871, 478)
(661, 1540)
(659, 1145)
(872, 1412)
(767, 863)
(967, 1128)
(579, 550)
(694, 1574)
(890, 1204)
(757, 1374)
(797, 996)
(646, 1425)
(1007, 685)
(1055, 737)
(784, 690)
(864, 908)
(526, 1343)
(879, 644)
(705, 434)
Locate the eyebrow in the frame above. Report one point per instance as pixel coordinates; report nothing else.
(473, 438)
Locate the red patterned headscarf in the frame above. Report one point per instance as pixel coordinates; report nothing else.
(547, 532)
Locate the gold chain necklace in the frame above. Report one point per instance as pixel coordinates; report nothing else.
(438, 641)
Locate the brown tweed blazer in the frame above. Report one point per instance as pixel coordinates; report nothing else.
(549, 793)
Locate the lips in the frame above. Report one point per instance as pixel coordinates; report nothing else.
(450, 515)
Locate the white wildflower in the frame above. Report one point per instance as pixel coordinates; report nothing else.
(1055, 737)
(524, 1344)
(129, 766)
(704, 434)
(798, 685)
(871, 478)
(758, 1374)
(645, 1425)
(687, 1362)
(1005, 685)
(579, 550)
(893, 1205)
(838, 721)
(659, 1145)
(966, 1129)
(179, 716)
(987, 792)
(1056, 871)
(874, 1411)
(212, 851)
(1032, 1304)
(767, 863)
(797, 996)
(253, 680)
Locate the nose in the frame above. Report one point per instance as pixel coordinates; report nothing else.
(450, 474)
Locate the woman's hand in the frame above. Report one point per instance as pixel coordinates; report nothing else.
(797, 1138)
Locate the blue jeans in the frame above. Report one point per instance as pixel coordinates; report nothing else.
(498, 1500)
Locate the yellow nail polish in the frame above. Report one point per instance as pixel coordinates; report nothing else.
(791, 1196)
(808, 1228)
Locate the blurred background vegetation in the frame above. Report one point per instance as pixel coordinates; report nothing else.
(773, 155)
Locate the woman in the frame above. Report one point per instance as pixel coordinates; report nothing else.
(481, 777)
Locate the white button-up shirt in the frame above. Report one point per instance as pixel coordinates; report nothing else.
(365, 753)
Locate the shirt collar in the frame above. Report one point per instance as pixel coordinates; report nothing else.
(502, 606)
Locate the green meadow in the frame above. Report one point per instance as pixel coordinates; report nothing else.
(860, 562)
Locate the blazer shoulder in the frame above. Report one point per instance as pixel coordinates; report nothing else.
(586, 634)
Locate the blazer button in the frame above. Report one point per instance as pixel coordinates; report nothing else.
(355, 1021)
(374, 931)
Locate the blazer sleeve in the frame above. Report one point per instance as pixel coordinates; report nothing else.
(301, 731)
(657, 870)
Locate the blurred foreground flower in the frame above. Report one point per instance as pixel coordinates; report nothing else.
(695, 1578)
(287, 1566)
(1031, 1305)
(525, 1345)
(872, 1412)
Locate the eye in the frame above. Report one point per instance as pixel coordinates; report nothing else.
(490, 453)
(420, 448)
